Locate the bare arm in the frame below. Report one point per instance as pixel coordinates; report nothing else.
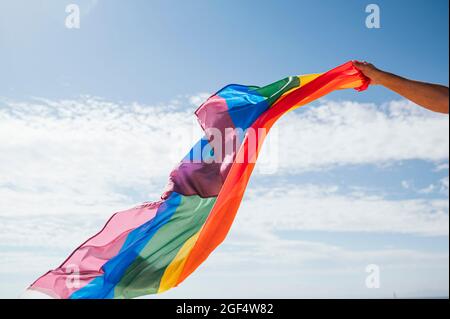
(431, 96)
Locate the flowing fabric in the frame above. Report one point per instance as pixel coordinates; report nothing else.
(155, 246)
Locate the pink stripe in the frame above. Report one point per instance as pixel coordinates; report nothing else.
(94, 253)
(214, 114)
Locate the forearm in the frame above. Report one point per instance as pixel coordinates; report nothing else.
(431, 96)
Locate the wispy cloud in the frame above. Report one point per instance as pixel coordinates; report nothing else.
(87, 153)
(337, 133)
(308, 207)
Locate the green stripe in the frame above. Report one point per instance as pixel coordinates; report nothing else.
(273, 91)
(143, 276)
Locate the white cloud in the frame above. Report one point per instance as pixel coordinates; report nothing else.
(308, 207)
(444, 185)
(253, 262)
(63, 156)
(427, 190)
(406, 184)
(339, 133)
(439, 187)
(50, 232)
(199, 98)
(441, 167)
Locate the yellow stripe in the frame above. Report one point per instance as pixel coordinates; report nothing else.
(308, 78)
(173, 271)
(303, 80)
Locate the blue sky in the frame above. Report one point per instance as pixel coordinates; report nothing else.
(151, 51)
(367, 173)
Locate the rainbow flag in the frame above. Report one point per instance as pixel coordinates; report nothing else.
(155, 246)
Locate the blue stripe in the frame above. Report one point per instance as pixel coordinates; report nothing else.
(201, 151)
(103, 286)
(245, 104)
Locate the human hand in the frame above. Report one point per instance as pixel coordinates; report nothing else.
(370, 71)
